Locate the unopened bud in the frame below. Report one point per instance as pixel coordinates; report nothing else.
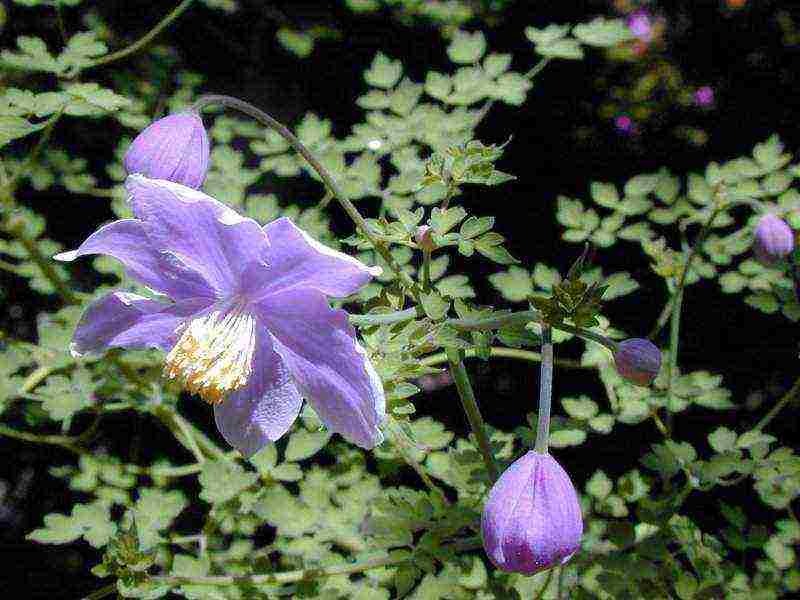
(774, 240)
(175, 148)
(532, 519)
(424, 238)
(638, 360)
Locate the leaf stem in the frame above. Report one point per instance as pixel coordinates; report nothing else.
(269, 122)
(779, 406)
(426, 270)
(145, 39)
(545, 392)
(501, 352)
(473, 413)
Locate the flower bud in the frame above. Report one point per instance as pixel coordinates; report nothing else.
(774, 239)
(532, 519)
(424, 238)
(638, 360)
(175, 148)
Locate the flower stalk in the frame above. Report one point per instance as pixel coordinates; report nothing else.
(330, 183)
(545, 391)
(473, 413)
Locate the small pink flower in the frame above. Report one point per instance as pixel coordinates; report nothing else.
(640, 24)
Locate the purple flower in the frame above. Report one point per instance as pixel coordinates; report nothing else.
(174, 148)
(638, 360)
(640, 24)
(249, 328)
(532, 518)
(774, 240)
(704, 96)
(624, 124)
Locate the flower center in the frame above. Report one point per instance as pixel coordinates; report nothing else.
(214, 355)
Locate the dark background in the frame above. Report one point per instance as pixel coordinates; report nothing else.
(559, 146)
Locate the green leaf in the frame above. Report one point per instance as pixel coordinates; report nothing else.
(82, 49)
(455, 286)
(722, 439)
(474, 226)
(384, 72)
(515, 285)
(155, 510)
(567, 437)
(605, 194)
(90, 521)
(443, 221)
(754, 437)
(599, 485)
(548, 35)
(63, 397)
(580, 408)
(782, 555)
(466, 48)
(223, 480)
(602, 32)
(566, 48)
(12, 128)
(89, 99)
(305, 444)
(434, 305)
(32, 56)
(299, 43)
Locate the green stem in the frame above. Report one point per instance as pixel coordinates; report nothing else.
(545, 391)
(145, 39)
(69, 443)
(426, 270)
(390, 318)
(299, 575)
(268, 121)
(470, 406)
(102, 592)
(37, 149)
(500, 352)
(45, 265)
(677, 296)
(779, 406)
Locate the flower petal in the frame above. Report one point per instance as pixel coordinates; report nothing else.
(296, 260)
(204, 234)
(329, 367)
(125, 320)
(263, 410)
(126, 241)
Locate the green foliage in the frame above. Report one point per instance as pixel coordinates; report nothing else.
(311, 516)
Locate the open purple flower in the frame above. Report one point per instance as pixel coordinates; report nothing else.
(249, 328)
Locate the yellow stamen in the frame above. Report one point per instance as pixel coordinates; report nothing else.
(214, 355)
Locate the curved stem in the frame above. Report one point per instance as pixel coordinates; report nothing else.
(268, 121)
(501, 352)
(545, 392)
(779, 406)
(145, 39)
(385, 318)
(470, 406)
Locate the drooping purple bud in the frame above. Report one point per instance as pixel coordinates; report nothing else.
(774, 240)
(175, 148)
(638, 360)
(532, 519)
(424, 238)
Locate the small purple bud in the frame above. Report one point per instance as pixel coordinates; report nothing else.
(532, 519)
(638, 360)
(704, 96)
(624, 124)
(640, 24)
(424, 238)
(774, 240)
(175, 148)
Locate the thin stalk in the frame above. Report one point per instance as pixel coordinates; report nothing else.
(677, 296)
(44, 264)
(68, 443)
(145, 39)
(288, 577)
(426, 270)
(37, 149)
(385, 318)
(500, 352)
(104, 591)
(545, 392)
(268, 121)
(779, 406)
(473, 413)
